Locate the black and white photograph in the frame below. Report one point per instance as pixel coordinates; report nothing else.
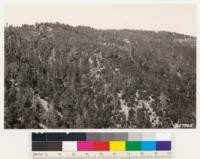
(100, 66)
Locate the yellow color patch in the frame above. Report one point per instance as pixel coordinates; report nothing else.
(117, 145)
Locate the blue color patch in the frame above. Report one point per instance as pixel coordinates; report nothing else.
(148, 146)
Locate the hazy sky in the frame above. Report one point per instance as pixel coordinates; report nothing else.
(179, 18)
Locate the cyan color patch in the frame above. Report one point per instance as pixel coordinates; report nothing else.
(148, 146)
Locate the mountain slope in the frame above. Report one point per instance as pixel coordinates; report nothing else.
(59, 76)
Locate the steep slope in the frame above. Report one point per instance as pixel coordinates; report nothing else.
(59, 76)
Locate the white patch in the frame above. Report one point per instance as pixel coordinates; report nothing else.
(163, 99)
(124, 108)
(179, 74)
(49, 29)
(44, 104)
(59, 114)
(137, 94)
(151, 99)
(146, 104)
(126, 41)
(90, 61)
(52, 58)
(116, 71)
(96, 71)
(43, 126)
(118, 125)
(144, 91)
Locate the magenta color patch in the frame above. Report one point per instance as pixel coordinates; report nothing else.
(85, 146)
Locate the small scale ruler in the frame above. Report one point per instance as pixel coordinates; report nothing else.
(101, 155)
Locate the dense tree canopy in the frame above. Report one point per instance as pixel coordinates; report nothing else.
(59, 76)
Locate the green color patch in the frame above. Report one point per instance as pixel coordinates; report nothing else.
(133, 146)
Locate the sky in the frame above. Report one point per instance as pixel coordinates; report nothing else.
(180, 18)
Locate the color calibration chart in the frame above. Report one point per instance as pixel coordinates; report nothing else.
(102, 145)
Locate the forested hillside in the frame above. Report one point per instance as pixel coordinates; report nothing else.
(59, 76)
